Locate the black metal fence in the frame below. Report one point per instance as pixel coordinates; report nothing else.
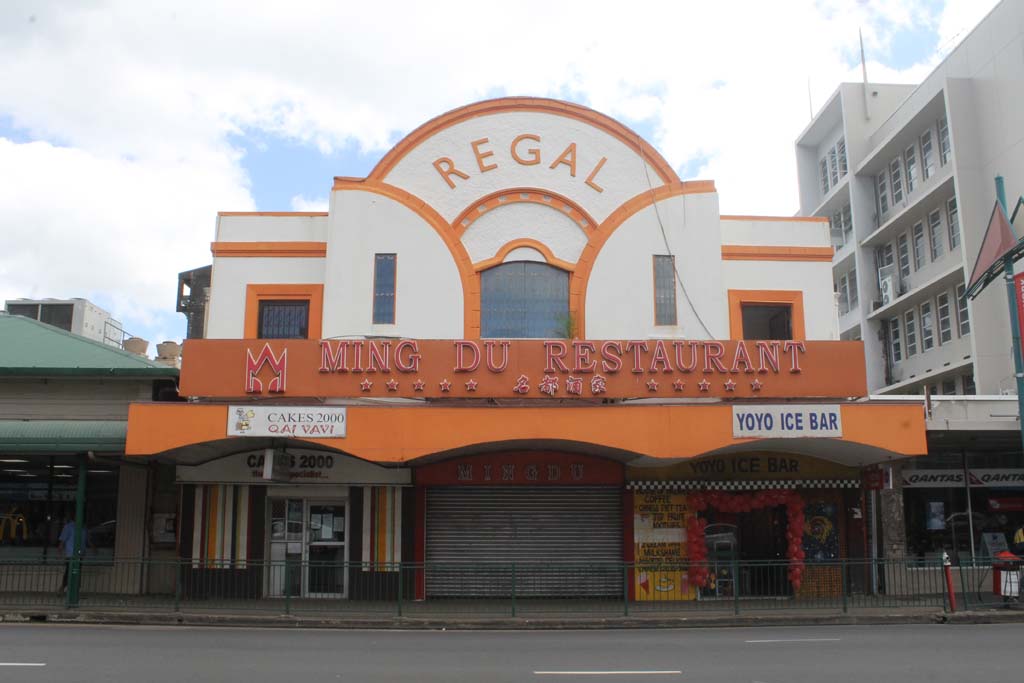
(491, 589)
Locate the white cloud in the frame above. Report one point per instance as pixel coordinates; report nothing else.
(141, 99)
(300, 203)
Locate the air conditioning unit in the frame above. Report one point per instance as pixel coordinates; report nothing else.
(887, 289)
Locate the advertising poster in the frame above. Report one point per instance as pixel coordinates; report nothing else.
(660, 551)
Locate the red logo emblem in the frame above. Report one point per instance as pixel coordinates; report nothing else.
(278, 366)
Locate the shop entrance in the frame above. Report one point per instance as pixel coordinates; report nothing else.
(308, 548)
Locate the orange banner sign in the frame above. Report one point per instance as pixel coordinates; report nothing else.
(537, 369)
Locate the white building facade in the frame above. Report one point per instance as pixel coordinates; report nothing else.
(905, 175)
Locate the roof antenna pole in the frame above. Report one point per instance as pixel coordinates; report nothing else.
(864, 73)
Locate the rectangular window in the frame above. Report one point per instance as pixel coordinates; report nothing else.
(833, 166)
(962, 317)
(953, 217)
(767, 321)
(927, 327)
(894, 340)
(824, 175)
(283, 319)
(910, 160)
(927, 156)
(385, 270)
(841, 151)
(853, 288)
(945, 320)
(847, 219)
(935, 234)
(843, 289)
(896, 181)
(37, 497)
(968, 383)
(881, 193)
(944, 148)
(835, 227)
(664, 290)
(903, 254)
(910, 329)
(919, 248)
(949, 387)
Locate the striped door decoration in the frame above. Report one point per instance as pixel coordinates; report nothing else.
(382, 528)
(220, 526)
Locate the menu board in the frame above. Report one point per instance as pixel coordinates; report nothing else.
(660, 551)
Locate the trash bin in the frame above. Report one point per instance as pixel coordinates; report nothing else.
(1006, 575)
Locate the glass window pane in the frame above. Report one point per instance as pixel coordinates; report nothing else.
(919, 249)
(945, 322)
(385, 269)
(927, 327)
(910, 329)
(954, 223)
(935, 234)
(664, 290)
(962, 315)
(283, 319)
(767, 321)
(525, 299)
(896, 180)
(910, 159)
(894, 339)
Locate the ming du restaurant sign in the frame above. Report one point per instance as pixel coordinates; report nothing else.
(530, 369)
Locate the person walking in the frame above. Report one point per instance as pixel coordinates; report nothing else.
(67, 544)
(1017, 546)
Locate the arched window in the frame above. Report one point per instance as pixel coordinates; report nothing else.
(524, 299)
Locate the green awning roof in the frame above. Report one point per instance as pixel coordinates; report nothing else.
(29, 348)
(62, 436)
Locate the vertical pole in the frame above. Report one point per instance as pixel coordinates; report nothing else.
(625, 589)
(874, 541)
(287, 584)
(1011, 297)
(735, 585)
(513, 589)
(970, 509)
(178, 568)
(843, 583)
(399, 589)
(75, 569)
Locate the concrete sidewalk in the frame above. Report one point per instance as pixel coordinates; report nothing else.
(793, 617)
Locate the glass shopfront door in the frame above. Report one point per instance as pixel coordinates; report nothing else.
(325, 550)
(307, 548)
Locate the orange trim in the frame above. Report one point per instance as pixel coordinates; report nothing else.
(269, 249)
(260, 292)
(272, 213)
(499, 257)
(403, 433)
(469, 277)
(548, 106)
(735, 252)
(517, 195)
(585, 263)
(784, 219)
(738, 297)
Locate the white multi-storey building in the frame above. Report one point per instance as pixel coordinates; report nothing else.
(905, 175)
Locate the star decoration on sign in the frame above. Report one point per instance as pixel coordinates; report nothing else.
(730, 385)
(756, 385)
(471, 385)
(652, 384)
(392, 384)
(704, 385)
(446, 386)
(366, 384)
(678, 385)
(417, 385)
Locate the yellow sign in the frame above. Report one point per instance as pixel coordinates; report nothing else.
(660, 550)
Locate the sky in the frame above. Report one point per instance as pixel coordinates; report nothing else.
(126, 126)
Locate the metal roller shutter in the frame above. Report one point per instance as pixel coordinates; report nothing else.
(549, 542)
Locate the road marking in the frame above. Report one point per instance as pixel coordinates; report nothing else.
(675, 672)
(795, 640)
(22, 663)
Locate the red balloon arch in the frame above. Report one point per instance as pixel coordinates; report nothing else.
(745, 502)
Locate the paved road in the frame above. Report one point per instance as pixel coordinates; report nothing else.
(763, 655)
